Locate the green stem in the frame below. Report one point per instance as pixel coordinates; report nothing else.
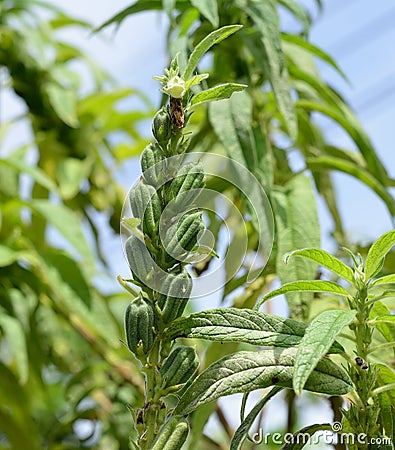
(152, 397)
(382, 346)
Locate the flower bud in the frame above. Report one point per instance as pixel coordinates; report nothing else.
(161, 127)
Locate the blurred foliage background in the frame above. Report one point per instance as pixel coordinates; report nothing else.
(65, 377)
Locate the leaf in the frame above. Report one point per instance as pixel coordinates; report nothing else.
(314, 50)
(213, 38)
(386, 377)
(297, 228)
(7, 256)
(350, 168)
(15, 335)
(246, 371)
(240, 325)
(383, 321)
(346, 119)
(137, 7)
(219, 92)
(305, 286)
(386, 279)
(64, 102)
(299, 12)
(324, 259)
(377, 252)
(67, 223)
(38, 175)
(71, 172)
(318, 338)
(298, 440)
(209, 9)
(265, 17)
(242, 432)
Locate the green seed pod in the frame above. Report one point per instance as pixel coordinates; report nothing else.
(177, 291)
(140, 261)
(182, 236)
(179, 366)
(161, 127)
(146, 206)
(151, 164)
(172, 434)
(139, 324)
(190, 176)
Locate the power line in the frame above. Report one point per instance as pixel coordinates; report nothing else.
(365, 34)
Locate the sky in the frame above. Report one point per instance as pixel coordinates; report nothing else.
(358, 34)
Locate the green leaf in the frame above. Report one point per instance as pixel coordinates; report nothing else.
(311, 48)
(346, 119)
(71, 173)
(209, 9)
(242, 432)
(378, 251)
(383, 320)
(7, 256)
(67, 223)
(240, 325)
(299, 12)
(219, 92)
(298, 440)
(265, 17)
(38, 175)
(305, 286)
(386, 279)
(64, 102)
(15, 335)
(297, 228)
(386, 376)
(213, 38)
(246, 371)
(324, 259)
(139, 6)
(318, 338)
(350, 168)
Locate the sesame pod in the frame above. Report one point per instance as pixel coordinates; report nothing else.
(139, 324)
(179, 366)
(146, 206)
(140, 261)
(162, 126)
(172, 434)
(182, 236)
(189, 177)
(173, 301)
(151, 166)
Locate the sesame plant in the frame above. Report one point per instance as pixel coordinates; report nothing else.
(158, 251)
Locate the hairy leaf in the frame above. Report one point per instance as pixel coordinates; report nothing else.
(265, 17)
(386, 279)
(246, 371)
(240, 325)
(377, 252)
(305, 286)
(209, 9)
(213, 38)
(318, 338)
(324, 259)
(242, 432)
(219, 92)
(297, 228)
